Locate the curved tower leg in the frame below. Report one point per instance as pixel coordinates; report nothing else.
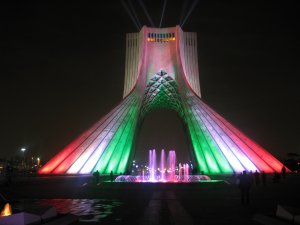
(219, 147)
(105, 146)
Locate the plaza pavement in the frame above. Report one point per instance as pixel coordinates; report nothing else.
(159, 203)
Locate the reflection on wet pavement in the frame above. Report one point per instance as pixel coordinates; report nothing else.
(88, 210)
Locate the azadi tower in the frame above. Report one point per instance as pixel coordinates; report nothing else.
(162, 72)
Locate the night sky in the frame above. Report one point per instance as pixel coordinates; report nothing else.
(62, 68)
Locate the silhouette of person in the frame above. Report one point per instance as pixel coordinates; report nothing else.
(244, 185)
(96, 176)
(256, 177)
(111, 176)
(283, 171)
(264, 178)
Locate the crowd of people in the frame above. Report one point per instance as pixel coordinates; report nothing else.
(96, 176)
(246, 180)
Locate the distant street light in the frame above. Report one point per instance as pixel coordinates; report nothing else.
(23, 151)
(38, 162)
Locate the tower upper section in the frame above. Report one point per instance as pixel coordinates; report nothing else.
(155, 49)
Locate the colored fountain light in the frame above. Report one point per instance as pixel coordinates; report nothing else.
(166, 173)
(161, 71)
(183, 172)
(7, 211)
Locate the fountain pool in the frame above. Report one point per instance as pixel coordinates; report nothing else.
(166, 173)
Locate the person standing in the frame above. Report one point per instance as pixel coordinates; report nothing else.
(245, 185)
(97, 176)
(256, 177)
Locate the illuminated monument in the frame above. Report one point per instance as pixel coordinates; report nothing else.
(161, 72)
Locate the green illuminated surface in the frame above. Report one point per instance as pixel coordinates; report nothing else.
(162, 92)
(209, 157)
(123, 128)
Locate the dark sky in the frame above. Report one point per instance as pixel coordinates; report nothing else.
(62, 68)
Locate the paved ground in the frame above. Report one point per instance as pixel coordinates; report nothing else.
(194, 203)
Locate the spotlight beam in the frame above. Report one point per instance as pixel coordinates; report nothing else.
(183, 11)
(163, 12)
(189, 12)
(134, 14)
(146, 12)
(130, 14)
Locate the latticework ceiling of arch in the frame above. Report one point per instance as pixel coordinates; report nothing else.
(161, 92)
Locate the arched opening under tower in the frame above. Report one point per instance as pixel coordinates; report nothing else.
(161, 74)
(162, 129)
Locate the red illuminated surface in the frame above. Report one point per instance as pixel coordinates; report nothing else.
(210, 134)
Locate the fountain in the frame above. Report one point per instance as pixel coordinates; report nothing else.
(152, 165)
(183, 172)
(162, 166)
(165, 173)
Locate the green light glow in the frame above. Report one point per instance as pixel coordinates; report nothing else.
(162, 92)
(218, 157)
(127, 147)
(106, 158)
(202, 166)
(120, 148)
(208, 156)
